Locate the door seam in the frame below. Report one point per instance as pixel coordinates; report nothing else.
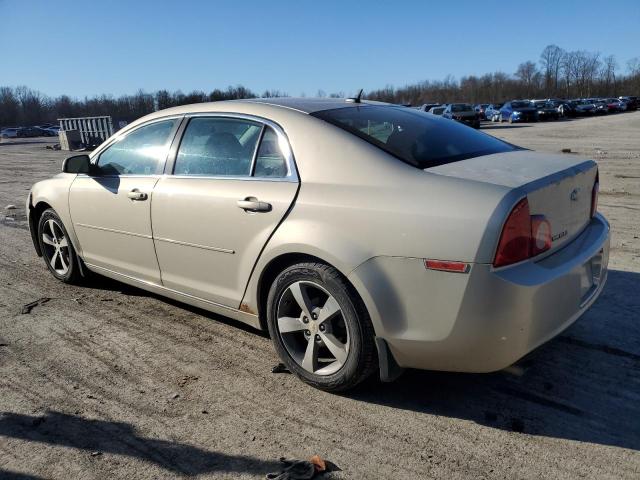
(153, 237)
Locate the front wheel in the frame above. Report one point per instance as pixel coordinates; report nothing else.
(57, 251)
(320, 327)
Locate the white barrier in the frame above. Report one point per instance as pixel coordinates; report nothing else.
(92, 129)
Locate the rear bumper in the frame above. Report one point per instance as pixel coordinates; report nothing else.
(472, 122)
(487, 319)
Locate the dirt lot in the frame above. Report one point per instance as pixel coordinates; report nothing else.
(108, 381)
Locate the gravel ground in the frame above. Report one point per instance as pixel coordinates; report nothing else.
(108, 381)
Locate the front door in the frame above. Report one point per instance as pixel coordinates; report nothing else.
(233, 182)
(111, 208)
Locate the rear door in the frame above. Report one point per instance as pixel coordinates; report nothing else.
(233, 182)
(111, 208)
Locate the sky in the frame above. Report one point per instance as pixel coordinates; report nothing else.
(88, 47)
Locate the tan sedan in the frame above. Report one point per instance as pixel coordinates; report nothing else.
(365, 237)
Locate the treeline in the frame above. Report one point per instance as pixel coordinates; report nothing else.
(25, 106)
(557, 73)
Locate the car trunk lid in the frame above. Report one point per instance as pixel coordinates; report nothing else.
(556, 186)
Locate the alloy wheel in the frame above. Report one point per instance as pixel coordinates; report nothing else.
(311, 325)
(56, 247)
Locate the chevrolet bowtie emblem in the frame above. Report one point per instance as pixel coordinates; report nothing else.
(574, 194)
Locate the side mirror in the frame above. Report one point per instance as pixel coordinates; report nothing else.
(76, 164)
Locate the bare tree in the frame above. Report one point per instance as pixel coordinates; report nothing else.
(551, 61)
(527, 73)
(608, 73)
(9, 107)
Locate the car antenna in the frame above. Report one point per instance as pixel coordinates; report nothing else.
(356, 99)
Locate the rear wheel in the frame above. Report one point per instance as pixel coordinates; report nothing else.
(57, 251)
(320, 327)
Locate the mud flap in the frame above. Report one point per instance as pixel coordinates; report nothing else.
(389, 369)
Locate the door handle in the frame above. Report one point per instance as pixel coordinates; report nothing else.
(252, 204)
(136, 194)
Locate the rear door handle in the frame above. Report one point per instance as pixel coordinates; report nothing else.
(136, 194)
(252, 204)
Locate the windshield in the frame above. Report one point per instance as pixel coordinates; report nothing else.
(461, 107)
(420, 140)
(520, 104)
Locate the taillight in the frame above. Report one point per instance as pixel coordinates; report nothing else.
(541, 234)
(515, 240)
(594, 194)
(523, 236)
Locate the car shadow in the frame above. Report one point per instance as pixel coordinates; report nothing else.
(581, 386)
(100, 282)
(100, 437)
(9, 475)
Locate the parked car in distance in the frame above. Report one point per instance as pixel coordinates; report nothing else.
(632, 102)
(565, 108)
(46, 131)
(600, 107)
(518, 111)
(479, 252)
(9, 132)
(615, 105)
(29, 132)
(437, 110)
(463, 113)
(480, 110)
(546, 110)
(428, 106)
(584, 107)
(492, 112)
(54, 130)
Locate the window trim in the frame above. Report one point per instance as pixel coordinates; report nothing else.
(292, 171)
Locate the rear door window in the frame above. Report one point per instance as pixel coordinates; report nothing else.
(217, 146)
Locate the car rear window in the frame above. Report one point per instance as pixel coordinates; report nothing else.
(420, 140)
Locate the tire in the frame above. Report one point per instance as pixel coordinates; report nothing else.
(54, 242)
(350, 327)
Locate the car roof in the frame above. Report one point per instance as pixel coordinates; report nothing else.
(310, 105)
(260, 106)
(272, 108)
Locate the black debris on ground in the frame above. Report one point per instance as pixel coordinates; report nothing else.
(30, 306)
(280, 368)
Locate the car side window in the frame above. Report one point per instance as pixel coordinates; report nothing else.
(141, 152)
(270, 161)
(215, 146)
